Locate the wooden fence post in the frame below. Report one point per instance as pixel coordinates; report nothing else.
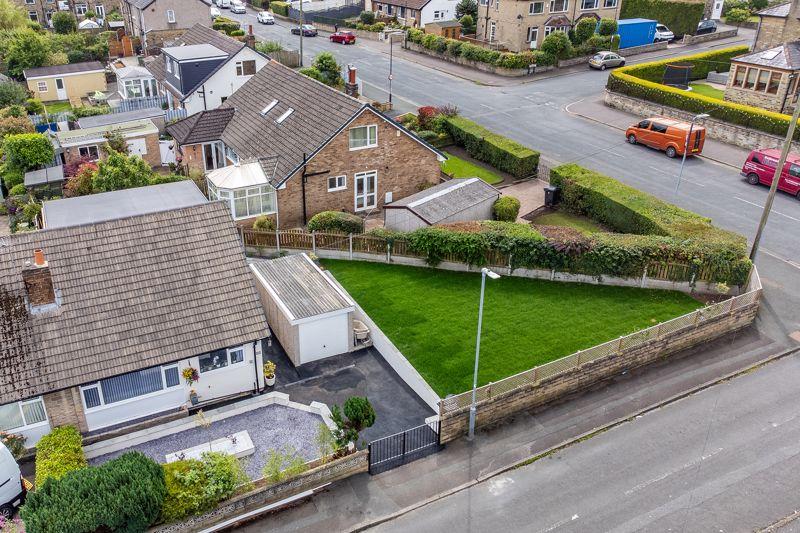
(314, 242)
(278, 240)
(350, 238)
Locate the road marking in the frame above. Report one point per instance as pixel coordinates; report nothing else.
(762, 207)
(690, 464)
(779, 258)
(559, 524)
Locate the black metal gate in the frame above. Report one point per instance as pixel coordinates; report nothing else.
(401, 448)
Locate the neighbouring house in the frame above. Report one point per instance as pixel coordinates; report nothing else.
(457, 200)
(766, 79)
(113, 205)
(66, 82)
(521, 25)
(133, 80)
(449, 29)
(48, 179)
(203, 69)
(101, 323)
(414, 13)
(777, 25)
(310, 316)
(42, 11)
(157, 21)
(140, 135)
(288, 146)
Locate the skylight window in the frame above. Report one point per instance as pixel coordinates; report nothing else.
(270, 106)
(770, 54)
(285, 115)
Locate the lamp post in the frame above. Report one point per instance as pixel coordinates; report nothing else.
(686, 147)
(391, 75)
(493, 275)
(301, 32)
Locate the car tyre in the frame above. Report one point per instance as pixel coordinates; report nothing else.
(671, 152)
(6, 511)
(622, 64)
(632, 138)
(752, 178)
(603, 66)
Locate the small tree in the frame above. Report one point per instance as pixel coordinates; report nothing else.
(64, 22)
(326, 63)
(506, 208)
(121, 171)
(367, 17)
(467, 24)
(607, 27)
(81, 183)
(14, 126)
(27, 49)
(26, 151)
(467, 7)
(12, 93)
(584, 30)
(11, 16)
(758, 5)
(115, 142)
(557, 44)
(737, 16)
(356, 416)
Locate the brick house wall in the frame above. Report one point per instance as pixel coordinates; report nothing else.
(152, 157)
(64, 408)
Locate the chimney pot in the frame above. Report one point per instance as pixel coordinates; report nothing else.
(38, 257)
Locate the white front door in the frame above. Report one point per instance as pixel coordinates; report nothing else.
(366, 190)
(717, 12)
(137, 147)
(61, 91)
(492, 31)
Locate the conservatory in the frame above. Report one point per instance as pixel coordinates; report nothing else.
(245, 187)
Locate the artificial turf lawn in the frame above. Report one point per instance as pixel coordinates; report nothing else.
(563, 218)
(58, 107)
(431, 316)
(707, 90)
(461, 168)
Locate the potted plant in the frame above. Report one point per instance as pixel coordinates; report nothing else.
(190, 374)
(269, 373)
(193, 397)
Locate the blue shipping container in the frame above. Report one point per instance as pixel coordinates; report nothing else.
(636, 32)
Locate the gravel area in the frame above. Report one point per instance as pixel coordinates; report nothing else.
(271, 427)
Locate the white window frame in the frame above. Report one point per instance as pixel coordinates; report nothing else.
(33, 15)
(230, 355)
(596, 4)
(337, 186)
(553, 3)
(104, 405)
(218, 152)
(550, 29)
(356, 196)
(247, 194)
(87, 148)
(370, 127)
(168, 63)
(532, 35)
(81, 9)
(171, 16)
(531, 11)
(40, 84)
(100, 11)
(436, 15)
(609, 4)
(25, 425)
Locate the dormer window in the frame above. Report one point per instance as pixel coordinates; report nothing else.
(169, 63)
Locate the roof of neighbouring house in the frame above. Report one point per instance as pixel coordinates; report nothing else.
(245, 174)
(131, 72)
(299, 287)
(118, 118)
(141, 4)
(113, 205)
(410, 4)
(784, 57)
(58, 70)
(132, 293)
(202, 127)
(44, 176)
(133, 128)
(780, 11)
(445, 24)
(444, 200)
(194, 51)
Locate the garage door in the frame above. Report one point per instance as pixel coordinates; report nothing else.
(137, 147)
(324, 337)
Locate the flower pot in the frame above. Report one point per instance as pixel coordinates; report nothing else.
(194, 399)
(269, 381)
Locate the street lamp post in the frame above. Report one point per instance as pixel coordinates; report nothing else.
(686, 148)
(301, 32)
(391, 75)
(493, 275)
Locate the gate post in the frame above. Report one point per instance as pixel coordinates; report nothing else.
(369, 458)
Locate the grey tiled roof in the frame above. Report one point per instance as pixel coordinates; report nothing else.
(141, 4)
(446, 199)
(134, 293)
(410, 4)
(780, 11)
(300, 286)
(201, 127)
(70, 68)
(197, 34)
(785, 57)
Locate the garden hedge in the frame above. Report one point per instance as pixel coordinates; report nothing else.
(338, 221)
(279, 8)
(59, 453)
(489, 147)
(680, 17)
(124, 494)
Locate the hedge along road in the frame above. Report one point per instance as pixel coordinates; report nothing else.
(533, 114)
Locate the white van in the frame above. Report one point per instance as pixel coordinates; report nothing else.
(12, 489)
(223, 4)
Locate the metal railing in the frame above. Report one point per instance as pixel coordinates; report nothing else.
(404, 447)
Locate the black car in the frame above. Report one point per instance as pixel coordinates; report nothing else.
(706, 26)
(308, 30)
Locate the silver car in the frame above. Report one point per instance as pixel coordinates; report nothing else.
(603, 60)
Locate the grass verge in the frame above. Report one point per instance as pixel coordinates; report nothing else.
(461, 168)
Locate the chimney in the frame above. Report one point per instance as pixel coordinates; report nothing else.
(38, 281)
(351, 86)
(250, 40)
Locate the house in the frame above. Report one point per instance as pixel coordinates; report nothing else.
(140, 135)
(521, 25)
(297, 147)
(203, 69)
(414, 13)
(65, 82)
(457, 200)
(449, 29)
(113, 205)
(777, 24)
(310, 316)
(156, 114)
(157, 21)
(766, 79)
(98, 322)
(42, 11)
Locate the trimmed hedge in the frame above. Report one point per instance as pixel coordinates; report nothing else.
(279, 8)
(489, 147)
(680, 17)
(124, 494)
(59, 453)
(702, 64)
(506, 208)
(338, 221)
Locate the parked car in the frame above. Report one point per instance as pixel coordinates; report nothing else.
(12, 487)
(308, 30)
(668, 135)
(215, 12)
(759, 168)
(223, 4)
(663, 34)
(344, 37)
(265, 17)
(706, 26)
(603, 60)
(238, 7)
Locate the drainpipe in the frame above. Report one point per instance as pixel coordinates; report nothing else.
(303, 185)
(257, 388)
(203, 92)
(792, 76)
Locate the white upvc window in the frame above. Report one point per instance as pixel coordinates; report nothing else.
(589, 4)
(337, 183)
(100, 11)
(131, 386)
(80, 9)
(33, 15)
(536, 8)
(437, 15)
(41, 86)
(220, 359)
(231, 155)
(559, 6)
(366, 190)
(23, 414)
(550, 29)
(609, 3)
(89, 151)
(213, 155)
(533, 36)
(253, 201)
(170, 16)
(363, 137)
(246, 68)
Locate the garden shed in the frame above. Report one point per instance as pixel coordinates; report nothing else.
(457, 200)
(308, 313)
(48, 178)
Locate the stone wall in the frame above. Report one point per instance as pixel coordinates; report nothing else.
(770, 33)
(715, 129)
(705, 37)
(262, 496)
(455, 424)
(477, 65)
(624, 52)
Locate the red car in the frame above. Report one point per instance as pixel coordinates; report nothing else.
(344, 37)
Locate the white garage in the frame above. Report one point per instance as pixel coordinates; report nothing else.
(310, 316)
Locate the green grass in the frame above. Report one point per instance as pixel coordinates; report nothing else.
(564, 218)
(460, 168)
(431, 316)
(707, 90)
(58, 107)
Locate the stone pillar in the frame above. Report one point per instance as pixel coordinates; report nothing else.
(64, 408)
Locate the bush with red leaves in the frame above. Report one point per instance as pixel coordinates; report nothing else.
(425, 114)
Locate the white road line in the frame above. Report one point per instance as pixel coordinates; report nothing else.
(559, 524)
(762, 207)
(779, 258)
(669, 473)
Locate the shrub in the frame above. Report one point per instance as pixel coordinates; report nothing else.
(279, 8)
(81, 183)
(357, 415)
(680, 17)
(438, 124)
(90, 111)
(467, 24)
(377, 27)
(264, 223)
(34, 106)
(336, 221)
(415, 35)
(58, 453)
(15, 443)
(506, 208)
(737, 16)
(367, 17)
(159, 179)
(512, 60)
(425, 135)
(195, 486)
(454, 47)
(64, 22)
(237, 33)
(12, 93)
(489, 147)
(15, 125)
(584, 29)
(283, 464)
(267, 47)
(18, 189)
(124, 494)
(425, 114)
(557, 44)
(607, 27)
(466, 8)
(27, 151)
(121, 171)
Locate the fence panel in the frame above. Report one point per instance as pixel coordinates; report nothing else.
(135, 104)
(404, 447)
(333, 241)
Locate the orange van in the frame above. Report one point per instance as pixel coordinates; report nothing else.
(667, 135)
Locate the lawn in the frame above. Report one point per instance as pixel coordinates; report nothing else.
(707, 90)
(431, 316)
(564, 218)
(58, 107)
(461, 168)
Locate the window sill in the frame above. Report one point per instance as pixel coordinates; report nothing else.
(364, 147)
(337, 189)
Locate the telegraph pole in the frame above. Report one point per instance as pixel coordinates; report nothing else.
(301, 33)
